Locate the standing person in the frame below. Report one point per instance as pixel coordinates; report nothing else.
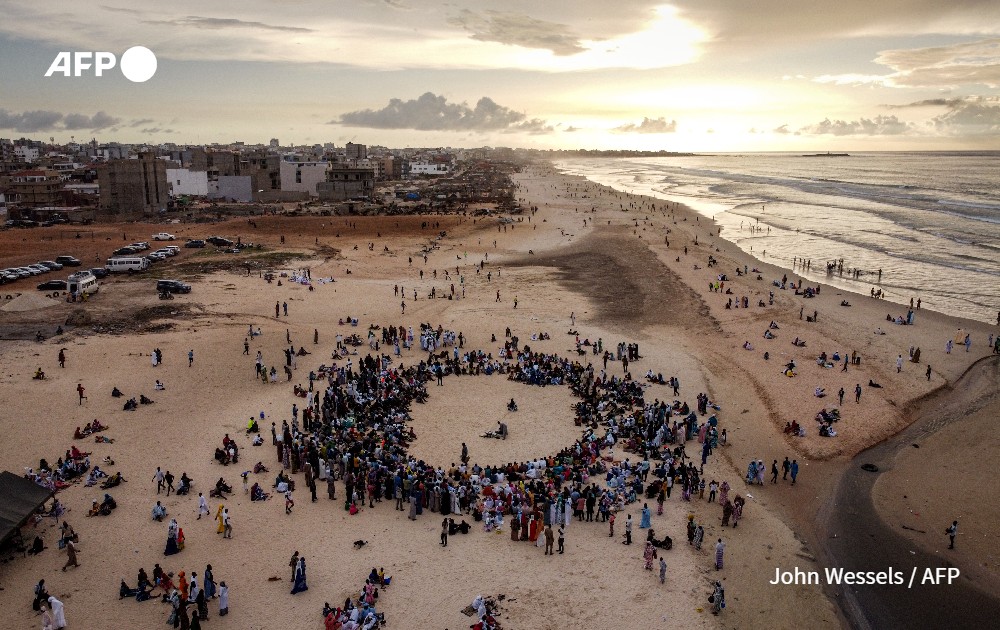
(246, 347)
(794, 470)
(284, 307)
(158, 478)
(720, 549)
(168, 479)
(71, 555)
(202, 506)
(840, 397)
(294, 563)
(628, 530)
(80, 389)
(644, 522)
(58, 615)
(190, 357)
(300, 577)
(549, 540)
(649, 554)
(786, 466)
(611, 525)
(562, 538)
(857, 393)
(928, 372)
(774, 471)
(62, 357)
(718, 598)
(899, 364)
(444, 533)
(227, 524)
(951, 531)
(277, 309)
(223, 599)
(663, 570)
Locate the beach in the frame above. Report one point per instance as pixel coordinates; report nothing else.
(599, 254)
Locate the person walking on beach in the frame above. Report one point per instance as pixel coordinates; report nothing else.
(928, 372)
(444, 533)
(857, 393)
(71, 554)
(794, 470)
(840, 396)
(62, 357)
(284, 307)
(774, 471)
(246, 347)
(277, 309)
(549, 540)
(628, 530)
(190, 357)
(785, 467)
(79, 390)
(158, 478)
(899, 364)
(663, 570)
(951, 531)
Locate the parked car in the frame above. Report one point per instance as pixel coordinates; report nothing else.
(164, 236)
(40, 268)
(52, 285)
(68, 261)
(7, 276)
(21, 272)
(140, 245)
(31, 270)
(173, 250)
(196, 242)
(99, 272)
(128, 250)
(172, 286)
(156, 256)
(51, 264)
(219, 241)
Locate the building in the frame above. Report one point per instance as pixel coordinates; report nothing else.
(184, 181)
(355, 151)
(274, 144)
(233, 188)
(429, 168)
(26, 154)
(35, 189)
(133, 188)
(345, 182)
(302, 176)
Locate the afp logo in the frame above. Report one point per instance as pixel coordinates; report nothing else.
(138, 64)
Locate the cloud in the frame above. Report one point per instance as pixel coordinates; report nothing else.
(210, 23)
(140, 122)
(571, 129)
(45, 120)
(100, 120)
(156, 130)
(518, 30)
(966, 63)
(431, 112)
(975, 116)
(929, 102)
(783, 129)
(534, 127)
(878, 126)
(37, 120)
(648, 125)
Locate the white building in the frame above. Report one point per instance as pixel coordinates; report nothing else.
(428, 168)
(303, 176)
(26, 154)
(184, 181)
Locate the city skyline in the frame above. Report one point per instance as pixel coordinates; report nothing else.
(678, 76)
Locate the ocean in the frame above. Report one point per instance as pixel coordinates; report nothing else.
(929, 220)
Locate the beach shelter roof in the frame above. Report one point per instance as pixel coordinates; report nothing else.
(19, 499)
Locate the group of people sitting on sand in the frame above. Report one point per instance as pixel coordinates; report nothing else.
(89, 429)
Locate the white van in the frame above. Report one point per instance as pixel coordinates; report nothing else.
(127, 263)
(82, 282)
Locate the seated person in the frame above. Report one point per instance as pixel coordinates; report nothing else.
(113, 481)
(257, 493)
(259, 467)
(768, 334)
(159, 386)
(39, 375)
(185, 484)
(221, 486)
(845, 303)
(819, 392)
(221, 456)
(116, 392)
(747, 345)
(773, 325)
(512, 406)
(108, 504)
(144, 401)
(257, 440)
(159, 512)
(131, 405)
(872, 383)
(252, 426)
(79, 435)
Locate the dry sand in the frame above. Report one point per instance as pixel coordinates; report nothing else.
(623, 283)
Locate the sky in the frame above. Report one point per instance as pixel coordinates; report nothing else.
(687, 75)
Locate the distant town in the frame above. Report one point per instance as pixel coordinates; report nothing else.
(44, 183)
